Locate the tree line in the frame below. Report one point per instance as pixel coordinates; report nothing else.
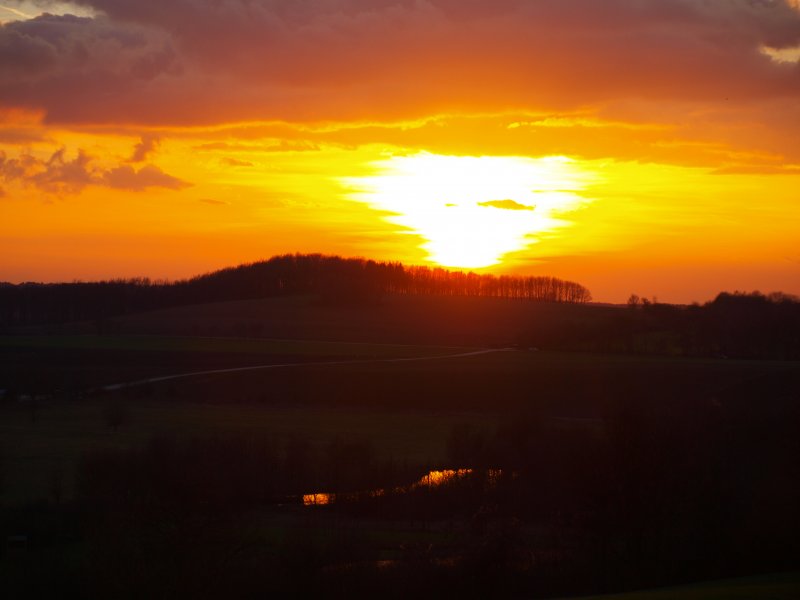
(335, 280)
(733, 325)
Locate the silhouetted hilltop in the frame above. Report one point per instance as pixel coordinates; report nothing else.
(334, 280)
(542, 312)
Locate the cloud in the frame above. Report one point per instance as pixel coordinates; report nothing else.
(147, 62)
(126, 177)
(585, 78)
(144, 148)
(14, 11)
(783, 55)
(20, 135)
(62, 175)
(57, 174)
(29, 9)
(213, 202)
(235, 162)
(75, 67)
(506, 205)
(22, 53)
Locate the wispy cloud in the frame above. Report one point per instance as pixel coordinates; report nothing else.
(783, 55)
(16, 12)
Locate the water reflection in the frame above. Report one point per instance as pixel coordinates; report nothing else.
(430, 480)
(434, 478)
(317, 499)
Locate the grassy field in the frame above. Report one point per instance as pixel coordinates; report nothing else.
(84, 361)
(41, 453)
(430, 320)
(552, 408)
(45, 363)
(781, 586)
(162, 343)
(405, 409)
(42, 441)
(564, 384)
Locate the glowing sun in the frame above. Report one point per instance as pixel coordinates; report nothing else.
(471, 211)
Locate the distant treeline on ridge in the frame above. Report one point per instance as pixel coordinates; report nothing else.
(335, 280)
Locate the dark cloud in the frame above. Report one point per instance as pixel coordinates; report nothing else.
(213, 202)
(142, 150)
(22, 53)
(212, 61)
(62, 175)
(506, 205)
(72, 66)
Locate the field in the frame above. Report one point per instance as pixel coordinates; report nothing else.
(217, 345)
(405, 410)
(781, 586)
(95, 359)
(616, 472)
(43, 439)
(426, 320)
(42, 453)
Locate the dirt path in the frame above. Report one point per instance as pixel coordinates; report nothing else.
(119, 386)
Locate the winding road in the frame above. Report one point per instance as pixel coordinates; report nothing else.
(118, 386)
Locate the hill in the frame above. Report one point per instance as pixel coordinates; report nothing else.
(332, 280)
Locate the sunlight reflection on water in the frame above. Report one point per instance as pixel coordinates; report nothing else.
(430, 480)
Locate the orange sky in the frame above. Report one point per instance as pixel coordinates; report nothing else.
(647, 146)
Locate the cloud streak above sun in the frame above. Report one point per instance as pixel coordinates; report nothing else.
(269, 107)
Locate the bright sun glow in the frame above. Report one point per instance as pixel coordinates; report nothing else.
(471, 211)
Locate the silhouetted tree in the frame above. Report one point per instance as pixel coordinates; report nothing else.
(333, 279)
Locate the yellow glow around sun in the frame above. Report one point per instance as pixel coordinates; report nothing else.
(471, 211)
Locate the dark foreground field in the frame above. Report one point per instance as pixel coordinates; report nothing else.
(581, 473)
(398, 319)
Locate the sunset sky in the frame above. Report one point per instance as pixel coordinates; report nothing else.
(634, 146)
